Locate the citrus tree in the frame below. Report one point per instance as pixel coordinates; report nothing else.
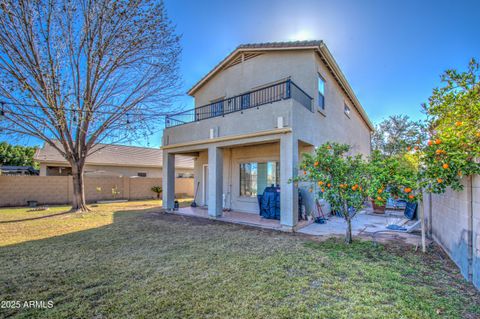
(394, 176)
(453, 111)
(342, 179)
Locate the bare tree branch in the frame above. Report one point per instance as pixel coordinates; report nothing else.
(73, 71)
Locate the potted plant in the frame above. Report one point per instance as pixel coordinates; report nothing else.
(157, 189)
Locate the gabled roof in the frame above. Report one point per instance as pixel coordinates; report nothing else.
(116, 155)
(317, 45)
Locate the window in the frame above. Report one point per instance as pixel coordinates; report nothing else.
(321, 93)
(142, 174)
(184, 175)
(346, 110)
(254, 177)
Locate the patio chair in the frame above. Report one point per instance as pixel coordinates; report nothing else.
(399, 227)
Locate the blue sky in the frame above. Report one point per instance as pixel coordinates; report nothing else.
(392, 52)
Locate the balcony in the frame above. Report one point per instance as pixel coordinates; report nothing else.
(280, 91)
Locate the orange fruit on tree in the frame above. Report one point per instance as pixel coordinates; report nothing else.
(438, 141)
(328, 185)
(458, 123)
(438, 152)
(379, 198)
(320, 183)
(407, 190)
(439, 180)
(409, 148)
(380, 191)
(445, 166)
(316, 164)
(411, 196)
(304, 172)
(323, 190)
(430, 143)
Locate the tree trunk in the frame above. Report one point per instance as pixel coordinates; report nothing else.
(348, 219)
(78, 203)
(348, 235)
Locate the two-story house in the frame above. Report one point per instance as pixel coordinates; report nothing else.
(255, 113)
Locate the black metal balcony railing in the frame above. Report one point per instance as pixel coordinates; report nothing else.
(273, 93)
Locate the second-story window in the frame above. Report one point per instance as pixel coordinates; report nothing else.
(321, 93)
(346, 110)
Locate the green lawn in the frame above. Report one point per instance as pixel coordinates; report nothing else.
(129, 261)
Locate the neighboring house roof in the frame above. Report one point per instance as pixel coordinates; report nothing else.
(317, 45)
(18, 169)
(116, 155)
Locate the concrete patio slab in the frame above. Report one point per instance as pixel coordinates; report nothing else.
(250, 219)
(362, 223)
(365, 224)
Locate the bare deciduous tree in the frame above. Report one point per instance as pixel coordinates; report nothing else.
(75, 73)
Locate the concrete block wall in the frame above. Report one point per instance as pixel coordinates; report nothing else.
(476, 231)
(17, 190)
(453, 221)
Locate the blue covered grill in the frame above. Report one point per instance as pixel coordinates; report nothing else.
(269, 203)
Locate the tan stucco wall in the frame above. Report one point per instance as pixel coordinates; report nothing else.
(17, 190)
(232, 158)
(259, 71)
(119, 171)
(302, 67)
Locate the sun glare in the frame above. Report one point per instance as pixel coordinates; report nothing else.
(302, 35)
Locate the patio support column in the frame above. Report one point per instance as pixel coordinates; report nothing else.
(215, 181)
(168, 180)
(288, 191)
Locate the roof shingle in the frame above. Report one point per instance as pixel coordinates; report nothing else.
(111, 154)
(289, 44)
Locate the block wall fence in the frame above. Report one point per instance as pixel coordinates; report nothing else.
(453, 221)
(17, 190)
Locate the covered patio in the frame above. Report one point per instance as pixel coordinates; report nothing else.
(231, 172)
